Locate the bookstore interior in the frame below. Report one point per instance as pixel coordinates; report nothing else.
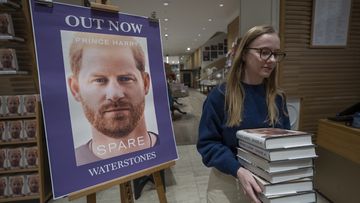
(73, 130)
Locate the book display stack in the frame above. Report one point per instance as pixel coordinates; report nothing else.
(281, 162)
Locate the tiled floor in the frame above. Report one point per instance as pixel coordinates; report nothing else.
(186, 182)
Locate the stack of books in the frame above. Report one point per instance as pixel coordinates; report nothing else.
(281, 161)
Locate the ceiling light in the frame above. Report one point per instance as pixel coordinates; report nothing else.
(221, 5)
(188, 49)
(166, 19)
(209, 19)
(166, 35)
(166, 3)
(199, 35)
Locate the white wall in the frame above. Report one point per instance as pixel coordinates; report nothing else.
(258, 12)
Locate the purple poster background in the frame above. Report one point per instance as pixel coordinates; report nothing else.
(67, 177)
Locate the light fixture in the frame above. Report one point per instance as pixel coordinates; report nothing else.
(209, 19)
(221, 5)
(166, 35)
(166, 19)
(166, 3)
(199, 34)
(188, 49)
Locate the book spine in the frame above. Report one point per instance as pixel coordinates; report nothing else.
(254, 140)
(256, 150)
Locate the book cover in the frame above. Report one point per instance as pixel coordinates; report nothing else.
(278, 176)
(284, 188)
(2, 106)
(2, 159)
(33, 184)
(6, 25)
(17, 186)
(31, 157)
(304, 197)
(280, 154)
(12, 105)
(8, 61)
(273, 166)
(29, 103)
(30, 129)
(15, 158)
(274, 138)
(3, 131)
(3, 187)
(14, 130)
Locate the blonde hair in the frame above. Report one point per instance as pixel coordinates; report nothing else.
(84, 40)
(234, 95)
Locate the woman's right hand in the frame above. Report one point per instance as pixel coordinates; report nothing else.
(249, 184)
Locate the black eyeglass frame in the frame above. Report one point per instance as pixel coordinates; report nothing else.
(275, 54)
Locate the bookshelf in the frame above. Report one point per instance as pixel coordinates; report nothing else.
(23, 81)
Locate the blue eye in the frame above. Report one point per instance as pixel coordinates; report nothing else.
(100, 80)
(125, 78)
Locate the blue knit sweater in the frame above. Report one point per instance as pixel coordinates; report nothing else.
(217, 143)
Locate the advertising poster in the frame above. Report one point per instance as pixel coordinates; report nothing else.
(103, 93)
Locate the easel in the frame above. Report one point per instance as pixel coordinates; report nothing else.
(126, 194)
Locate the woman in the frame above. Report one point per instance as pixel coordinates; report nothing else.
(248, 99)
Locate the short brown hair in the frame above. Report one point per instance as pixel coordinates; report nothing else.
(76, 48)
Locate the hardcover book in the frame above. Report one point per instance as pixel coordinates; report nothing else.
(280, 154)
(30, 129)
(3, 187)
(2, 159)
(6, 25)
(278, 176)
(3, 132)
(29, 103)
(12, 105)
(304, 197)
(31, 157)
(14, 130)
(274, 138)
(8, 61)
(284, 188)
(33, 184)
(2, 106)
(15, 158)
(16, 186)
(273, 166)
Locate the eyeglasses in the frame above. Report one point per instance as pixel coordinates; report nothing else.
(266, 53)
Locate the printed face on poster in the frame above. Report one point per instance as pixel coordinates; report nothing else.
(104, 95)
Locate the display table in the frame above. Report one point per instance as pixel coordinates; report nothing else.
(337, 168)
(340, 139)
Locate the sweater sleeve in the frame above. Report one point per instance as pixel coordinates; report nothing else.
(210, 143)
(283, 113)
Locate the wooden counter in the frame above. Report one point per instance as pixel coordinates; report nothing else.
(337, 169)
(340, 139)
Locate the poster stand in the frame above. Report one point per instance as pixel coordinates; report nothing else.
(125, 185)
(126, 193)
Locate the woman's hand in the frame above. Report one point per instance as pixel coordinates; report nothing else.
(249, 185)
